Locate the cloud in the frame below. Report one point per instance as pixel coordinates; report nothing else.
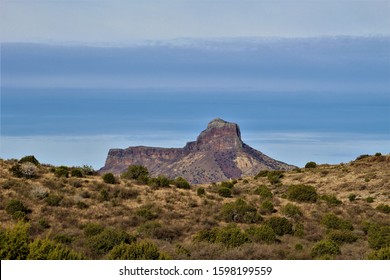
(120, 21)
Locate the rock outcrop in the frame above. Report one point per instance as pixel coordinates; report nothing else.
(218, 154)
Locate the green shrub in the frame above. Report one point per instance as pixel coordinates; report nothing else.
(25, 170)
(291, 210)
(280, 225)
(352, 197)
(311, 164)
(62, 171)
(109, 178)
(325, 248)
(49, 250)
(381, 254)
(160, 182)
(92, 229)
(137, 251)
(384, 208)
(262, 173)
(330, 199)
(362, 157)
(370, 199)
(53, 200)
(266, 207)
(331, 221)
(76, 172)
(274, 176)
(200, 191)
(299, 230)
(227, 184)
(15, 208)
(342, 236)
(146, 212)
(231, 236)
(136, 172)
(181, 183)
(43, 223)
(240, 212)
(378, 236)
(261, 234)
(14, 242)
(302, 193)
(263, 191)
(225, 192)
(30, 159)
(104, 241)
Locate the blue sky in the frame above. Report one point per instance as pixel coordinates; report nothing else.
(305, 80)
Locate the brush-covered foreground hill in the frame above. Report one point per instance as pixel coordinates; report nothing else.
(325, 212)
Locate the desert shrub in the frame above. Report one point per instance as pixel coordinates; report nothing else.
(146, 212)
(280, 225)
(299, 230)
(17, 210)
(262, 173)
(39, 192)
(302, 193)
(136, 172)
(325, 248)
(231, 236)
(181, 183)
(240, 212)
(298, 247)
(370, 199)
(76, 172)
(362, 157)
(127, 193)
(82, 205)
(261, 234)
(381, 254)
(63, 238)
(227, 184)
(311, 164)
(331, 221)
(330, 199)
(62, 171)
(378, 236)
(266, 207)
(225, 192)
(104, 195)
(109, 178)
(342, 236)
(104, 241)
(207, 235)
(137, 251)
(263, 191)
(159, 182)
(43, 223)
(30, 159)
(53, 200)
(88, 170)
(200, 191)
(352, 197)
(14, 242)
(384, 208)
(16, 171)
(28, 170)
(291, 210)
(49, 250)
(92, 229)
(274, 176)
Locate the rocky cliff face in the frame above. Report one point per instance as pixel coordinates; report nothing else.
(218, 154)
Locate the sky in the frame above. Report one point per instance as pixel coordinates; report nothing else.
(122, 21)
(305, 80)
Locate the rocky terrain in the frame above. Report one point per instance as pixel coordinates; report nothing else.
(218, 154)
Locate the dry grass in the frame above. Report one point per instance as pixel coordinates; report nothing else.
(180, 214)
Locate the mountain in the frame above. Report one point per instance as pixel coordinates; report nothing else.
(218, 154)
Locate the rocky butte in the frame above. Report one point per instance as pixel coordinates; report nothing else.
(217, 154)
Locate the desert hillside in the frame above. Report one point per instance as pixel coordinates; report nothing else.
(318, 212)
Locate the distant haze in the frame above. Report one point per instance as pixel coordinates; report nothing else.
(324, 99)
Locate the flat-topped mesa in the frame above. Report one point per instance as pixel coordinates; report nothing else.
(217, 154)
(218, 136)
